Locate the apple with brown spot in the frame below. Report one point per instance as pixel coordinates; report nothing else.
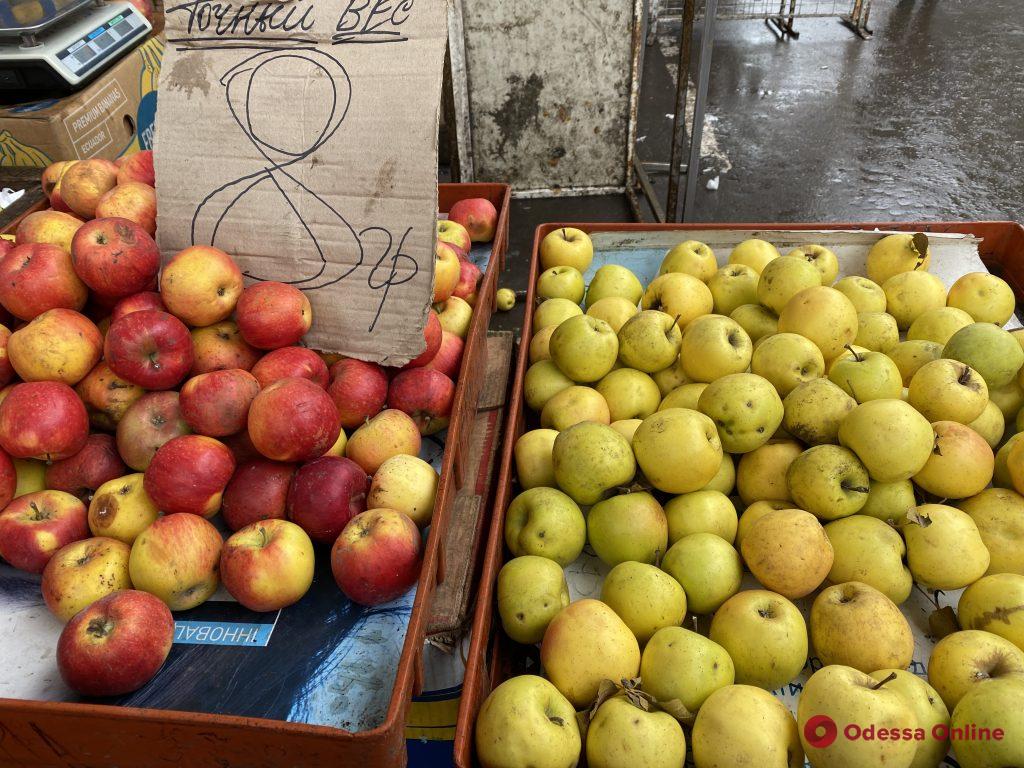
(115, 256)
(131, 200)
(478, 216)
(58, 345)
(107, 397)
(84, 183)
(34, 526)
(188, 475)
(52, 174)
(82, 572)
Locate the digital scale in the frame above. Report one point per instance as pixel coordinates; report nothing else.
(54, 47)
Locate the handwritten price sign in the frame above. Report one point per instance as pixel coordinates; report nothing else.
(301, 138)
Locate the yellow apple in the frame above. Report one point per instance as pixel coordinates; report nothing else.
(782, 279)
(897, 254)
(682, 296)
(938, 324)
(756, 320)
(754, 253)
(691, 257)
(733, 286)
(985, 297)
(566, 247)
(823, 315)
(865, 295)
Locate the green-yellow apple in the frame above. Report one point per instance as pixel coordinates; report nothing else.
(80, 573)
(407, 484)
(547, 523)
(584, 644)
(989, 350)
(765, 635)
(614, 310)
(267, 565)
(745, 408)
(540, 344)
(890, 437)
(543, 380)
(867, 376)
(877, 331)
(754, 253)
(993, 604)
(783, 278)
(931, 714)
(585, 348)
(645, 598)
(969, 659)
(948, 390)
(961, 463)
(455, 315)
(682, 296)
(911, 356)
(855, 625)
(999, 515)
(896, 254)
(823, 259)
(701, 512)
(708, 567)
(31, 475)
(505, 299)
(828, 481)
(591, 459)
(788, 552)
(685, 396)
(561, 283)
(982, 712)
(714, 346)
(866, 295)
(691, 257)
(851, 351)
(678, 450)
(756, 320)
(566, 247)
(680, 664)
(840, 697)
(1001, 477)
(534, 467)
(870, 551)
(671, 377)
(531, 592)
(1009, 398)
(622, 734)
(990, 425)
(613, 280)
(938, 324)
(733, 286)
(814, 410)
(889, 502)
(985, 297)
(176, 559)
(631, 526)
(742, 725)
(626, 427)
(553, 312)
(755, 512)
(573, 405)
(910, 294)
(787, 360)
(526, 721)
(823, 315)
(762, 472)
(944, 547)
(725, 478)
(121, 509)
(649, 341)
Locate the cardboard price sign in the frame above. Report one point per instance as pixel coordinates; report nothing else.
(301, 138)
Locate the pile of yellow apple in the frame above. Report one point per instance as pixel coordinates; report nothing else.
(855, 424)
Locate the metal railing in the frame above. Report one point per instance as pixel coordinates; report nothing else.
(779, 15)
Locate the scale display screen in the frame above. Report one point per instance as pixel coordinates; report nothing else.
(89, 49)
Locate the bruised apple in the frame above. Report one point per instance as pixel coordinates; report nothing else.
(217, 404)
(291, 363)
(206, 463)
(426, 395)
(272, 315)
(53, 227)
(377, 557)
(43, 420)
(52, 175)
(220, 346)
(257, 491)
(152, 420)
(34, 526)
(293, 420)
(106, 396)
(36, 277)
(359, 390)
(131, 200)
(115, 257)
(58, 345)
(121, 509)
(325, 494)
(82, 572)
(83, 184)
(94, 465)
(150, 348)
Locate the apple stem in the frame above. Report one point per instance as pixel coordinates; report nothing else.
(880, 683)
(853, 352)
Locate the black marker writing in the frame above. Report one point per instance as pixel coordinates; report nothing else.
(224, 19)
(399, 262)
(373, 21)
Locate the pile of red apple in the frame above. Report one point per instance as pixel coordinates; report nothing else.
(133, 410)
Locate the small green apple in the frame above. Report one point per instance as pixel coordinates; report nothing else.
(989, 350)
(613, 280)
(649, 341)
(590, 460)
(828, 481)
(547, 523)
(867, 376)
(682, 665)
(584, 348)
(708, 567)
(531, 592)
(630, 526)
(645, 598)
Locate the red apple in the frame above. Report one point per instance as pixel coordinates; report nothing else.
(38, 276)
(116, 645)
(58, 345)
(424, 394)
(43, 420)
(176, 559)
(267, 565)
(53, 227)
(448, 359)
(325, 494)
(469, 278)
(219, 347)
(273, 315)
(293, 420)
(8, 479)
(133, 201)
(257, 491)
(216, 404)
(106, 396)
(478, 216)
(137, 302)
(34, 526)
(57, 201)
(150, 348)
(359, 390)
(82, 572)
(88, 469)
(138, 166)
(432, 337)
(6, 369)
(241, 447)
(115, 257)
(387, 434)
(454, 233)
(377, 557)
(289, 363)
(189, 474)
(84, 183)
(150, 422)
